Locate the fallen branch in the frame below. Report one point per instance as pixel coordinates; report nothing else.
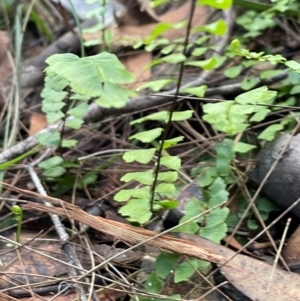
(249, 275)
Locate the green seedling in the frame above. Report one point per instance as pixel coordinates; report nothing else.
(18, 213)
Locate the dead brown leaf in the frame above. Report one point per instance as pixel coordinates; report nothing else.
(252, 276)
(40, 264)
(200, 17)
(38, 121)
(291, 252)
(36, 266)
(231, 241)
(134, 63)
